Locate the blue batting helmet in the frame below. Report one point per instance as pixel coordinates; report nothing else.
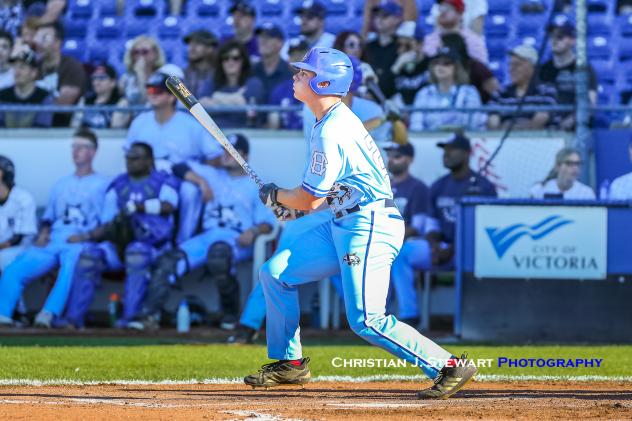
(330, 65)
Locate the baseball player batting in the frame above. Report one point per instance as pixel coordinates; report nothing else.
(360, 242)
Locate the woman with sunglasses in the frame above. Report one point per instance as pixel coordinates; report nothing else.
(142, 58)
(104, 92)
(234, 86)
(561, 183)
(352, 44)
(449, 89)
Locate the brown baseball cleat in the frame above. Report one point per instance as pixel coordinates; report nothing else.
(450, 380)
(280, 373)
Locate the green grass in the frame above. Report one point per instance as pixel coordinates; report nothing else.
(103, 359)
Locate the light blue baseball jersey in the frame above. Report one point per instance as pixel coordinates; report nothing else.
(179, 139)
(345, 164)
(75, 204)
(235, 205)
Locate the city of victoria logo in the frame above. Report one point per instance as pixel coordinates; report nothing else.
(503, 238)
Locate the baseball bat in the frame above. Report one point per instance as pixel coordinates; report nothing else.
(184, 95)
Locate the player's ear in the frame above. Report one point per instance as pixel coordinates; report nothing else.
(323, 84)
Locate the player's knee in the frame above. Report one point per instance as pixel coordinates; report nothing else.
(138, 256)
(219, 259)
(90, 264)
(189, 192)
(365, 325)
(166, 268)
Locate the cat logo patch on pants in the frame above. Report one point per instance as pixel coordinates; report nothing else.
(351, 259)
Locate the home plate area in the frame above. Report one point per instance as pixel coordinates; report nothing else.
(318, 401)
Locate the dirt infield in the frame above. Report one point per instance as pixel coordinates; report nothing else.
(318, 401)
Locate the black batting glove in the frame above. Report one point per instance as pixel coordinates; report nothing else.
(268, 194)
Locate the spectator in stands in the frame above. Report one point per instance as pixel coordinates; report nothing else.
(351, 43)
(481, 77)
(283, 94)
(26, 67)
(411, 197)
(272, 70)
(561, 183)
(175, 137)
(522, 62)
(369, 112)
(18, 223)
(11, 16)
(449, 88)
(409, 13)
(63, 76)
(560, 70)
(437, 246)
(450, 20)
(6, 70)
(234, 86)
(473, 15)
(244, 16)
(621, 187)
(411, 66)
(382, 52)
(104, 92)
(201, 52)
(74, 207)
(142, 58)
(312, 14)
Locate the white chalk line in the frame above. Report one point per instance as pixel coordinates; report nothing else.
(345, 379)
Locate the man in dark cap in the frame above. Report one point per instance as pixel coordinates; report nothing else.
(312, 14)
(201, 49)
(244, 14)
(560, 69)
(272, 69)
(26, 70)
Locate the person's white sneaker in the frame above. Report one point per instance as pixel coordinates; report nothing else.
(44, 319)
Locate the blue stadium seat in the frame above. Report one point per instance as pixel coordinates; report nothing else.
(533, 7)
(529, 27)
(77, 28)
(269, 8)
(98, 54)
(170, 28)
(496, 26)
(107, 9)
(145, 8)
(293, 27)
(80, 9)
(136, 27)
(599, 48)
(203, 8)
(358, 7)
(109, 28)
(599, 25)
(75, 48)
(598, 6)
(336, 8)
(497, 49)
(625, 53)
(624, 23)
(500, 7)
(604, 72)
(424, 7)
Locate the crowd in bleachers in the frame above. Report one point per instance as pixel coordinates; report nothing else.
(425, 53)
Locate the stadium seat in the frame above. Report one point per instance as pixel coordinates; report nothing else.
(136, 27)
(293, 27)
(496, 26)
(170, 28)
(500, 7)
(75, 28)
(424, 7)
(497, 49)
(358, 7)
(529, 27)
(203, 8)
(145, 8)
(599, 48)
(599, 25)
(98, 54)
(604, 72)
(268, 8)
(109, 28)
(107, 9)
(336, 8)
(74, 48)
(80, 9)
(598, 6)
(624, 23)
(625, 52)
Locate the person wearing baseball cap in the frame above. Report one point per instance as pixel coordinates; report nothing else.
(272, 69)
(244, 15)
(26, 66)
(411, 197)
(450, 20)
(560, 69)
(381, 53)
(522, 61)
(201, 50)
(410, 67)
(312, 14)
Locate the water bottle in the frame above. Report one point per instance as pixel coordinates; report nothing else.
(183, 317)
(604, 190)
(113, 308)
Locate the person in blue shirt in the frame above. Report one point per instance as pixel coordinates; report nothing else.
(346, 173)
(74, 208)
